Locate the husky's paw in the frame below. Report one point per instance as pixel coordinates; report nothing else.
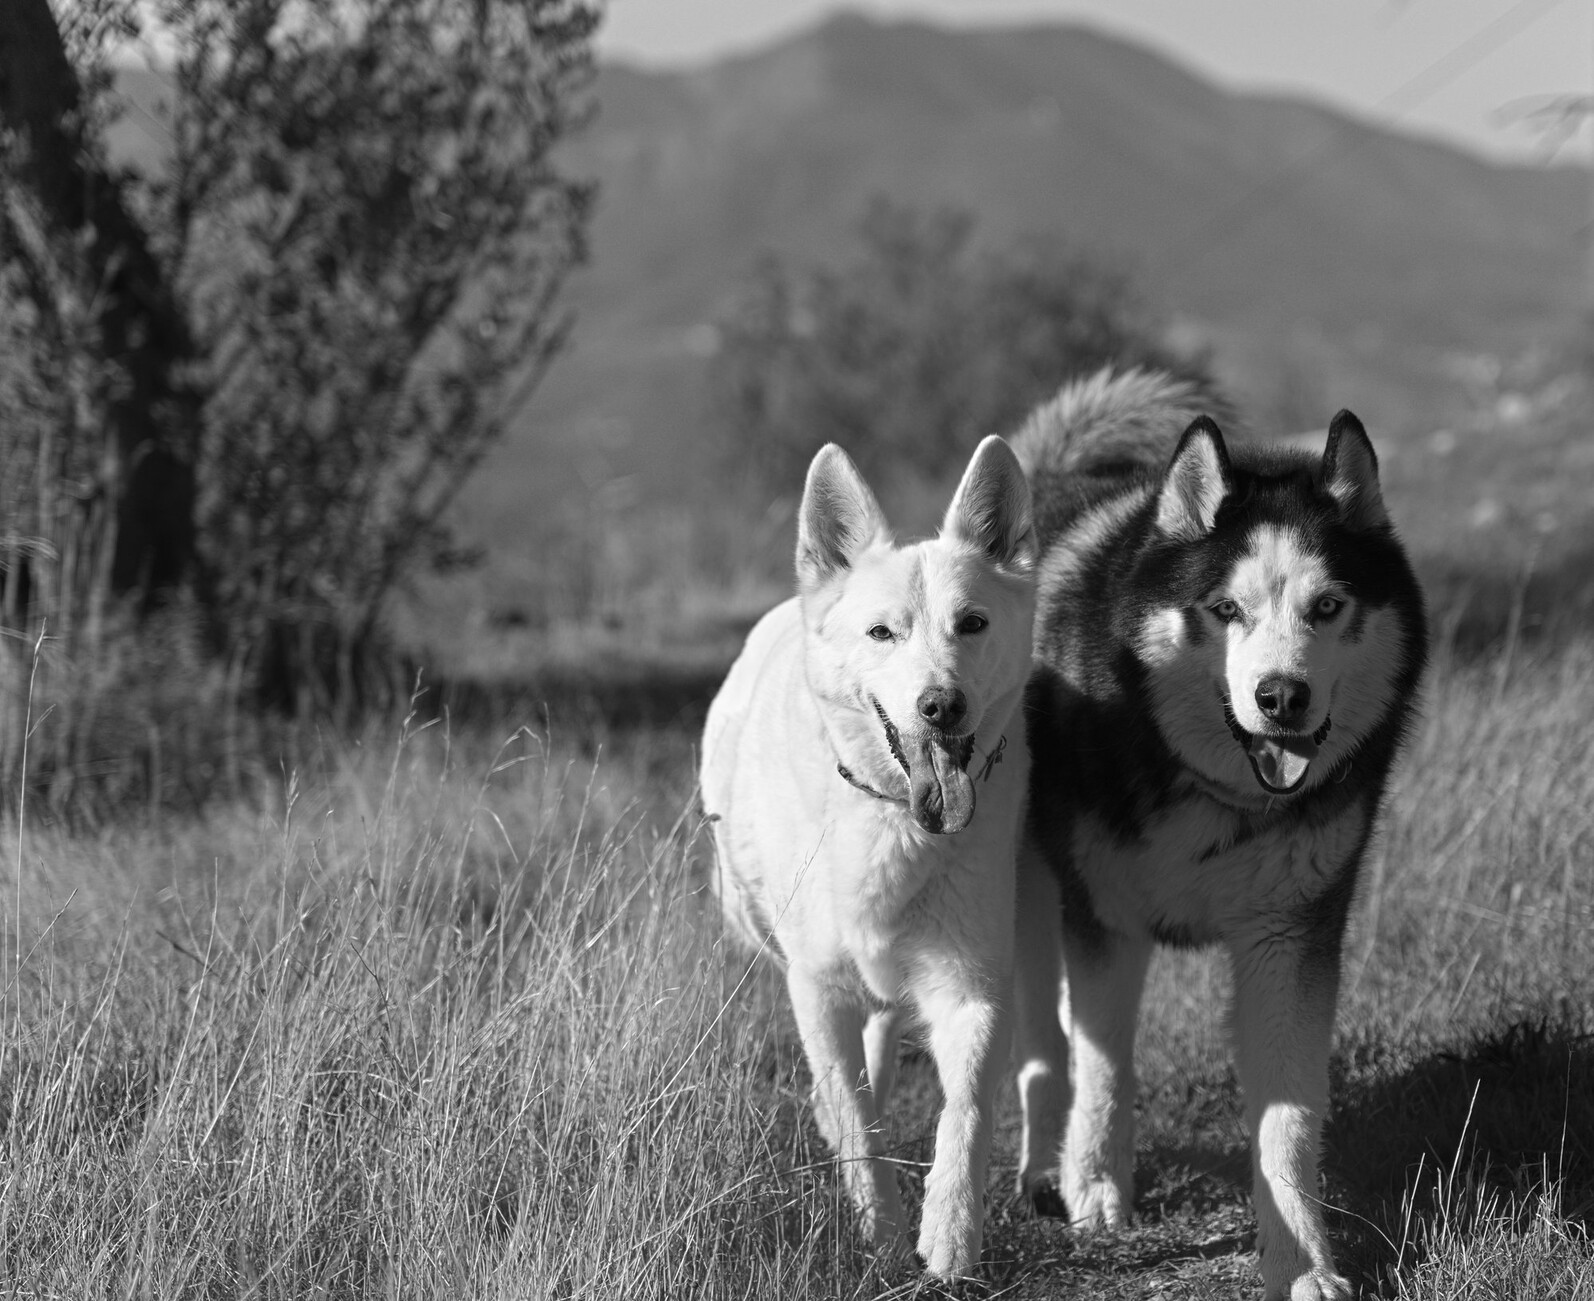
(1098, 1203)
(1040, 1194)
(1318, 1285)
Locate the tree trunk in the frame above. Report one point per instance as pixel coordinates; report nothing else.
(101, 292)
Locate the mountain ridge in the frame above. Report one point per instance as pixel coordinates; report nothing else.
(1288, 235)
(1305, 246)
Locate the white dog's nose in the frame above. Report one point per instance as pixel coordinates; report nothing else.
(942, 707)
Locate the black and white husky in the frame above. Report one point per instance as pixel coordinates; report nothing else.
(1228, 648)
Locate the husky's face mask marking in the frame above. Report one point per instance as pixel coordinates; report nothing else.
(1280, 618)
(1267, 672)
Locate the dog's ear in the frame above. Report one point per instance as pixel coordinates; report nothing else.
(1195, 483)
(991, 508)
(1350, 473)
(838, 519)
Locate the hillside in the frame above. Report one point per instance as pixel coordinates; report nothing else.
(1325, 261)
(1308, 248)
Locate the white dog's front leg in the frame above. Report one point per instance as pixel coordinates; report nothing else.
(969, 1034)
(1106, 973)
(1040, 1049)
(1284, 1023)
(831, 1022)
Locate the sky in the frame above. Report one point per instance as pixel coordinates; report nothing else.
(1462, 70)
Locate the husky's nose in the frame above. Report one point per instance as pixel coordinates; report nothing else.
(942, 707)
(1283, 700)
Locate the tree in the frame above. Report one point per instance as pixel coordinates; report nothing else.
(373, 234)
(99, 466)
(918, 346)
(349, 276)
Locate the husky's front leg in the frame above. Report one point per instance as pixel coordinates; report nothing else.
(1106, 973)
(830, 1020)
(1285, 990)
(969, 1036)
(1040, 1050)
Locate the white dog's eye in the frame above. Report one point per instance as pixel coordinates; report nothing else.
(973, 623)
(1227, 610)
(1328, 606)
(880, 632)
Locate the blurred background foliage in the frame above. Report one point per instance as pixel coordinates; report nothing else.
(916, 343)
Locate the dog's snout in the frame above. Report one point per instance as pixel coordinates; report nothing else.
(1283, 700)
(942, 707)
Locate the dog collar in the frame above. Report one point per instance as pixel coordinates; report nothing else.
(847, 776)
(992, 758)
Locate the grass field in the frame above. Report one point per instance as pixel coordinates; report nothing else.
(450, 1016)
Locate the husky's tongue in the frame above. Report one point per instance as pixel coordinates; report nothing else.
(940, 790)
(1280, 762)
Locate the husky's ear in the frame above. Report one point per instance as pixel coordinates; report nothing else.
(1195, 483)
(1350, 473)
(991, 508)
(838, 519)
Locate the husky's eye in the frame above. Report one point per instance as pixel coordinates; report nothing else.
(1327, 607)
(1227, 610)
(971, 623)
(880, 632)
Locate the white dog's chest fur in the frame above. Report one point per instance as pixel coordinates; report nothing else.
(1196, 871)
(863, 889)
(890, 895)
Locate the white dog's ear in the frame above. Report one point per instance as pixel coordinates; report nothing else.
(1350, 473)
(1195, 484)
(991, 508)
(839, 517)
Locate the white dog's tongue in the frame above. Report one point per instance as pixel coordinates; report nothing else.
(941, 792)
(1281, 761)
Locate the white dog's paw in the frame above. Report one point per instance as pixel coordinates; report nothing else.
(1098, 1201)
(950, 1256)
(1315, 1285)
(949, 1240)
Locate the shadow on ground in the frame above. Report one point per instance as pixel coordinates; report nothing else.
(1504, 1117)
(1505, 1114)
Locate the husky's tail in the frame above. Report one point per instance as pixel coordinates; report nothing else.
(1113, 422)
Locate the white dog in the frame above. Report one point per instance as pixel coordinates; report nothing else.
(865, 828)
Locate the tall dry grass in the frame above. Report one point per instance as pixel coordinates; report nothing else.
(421, 1033)
(455, 1020)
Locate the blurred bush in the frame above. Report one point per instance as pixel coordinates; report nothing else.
(918, 345)
(373, 237)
